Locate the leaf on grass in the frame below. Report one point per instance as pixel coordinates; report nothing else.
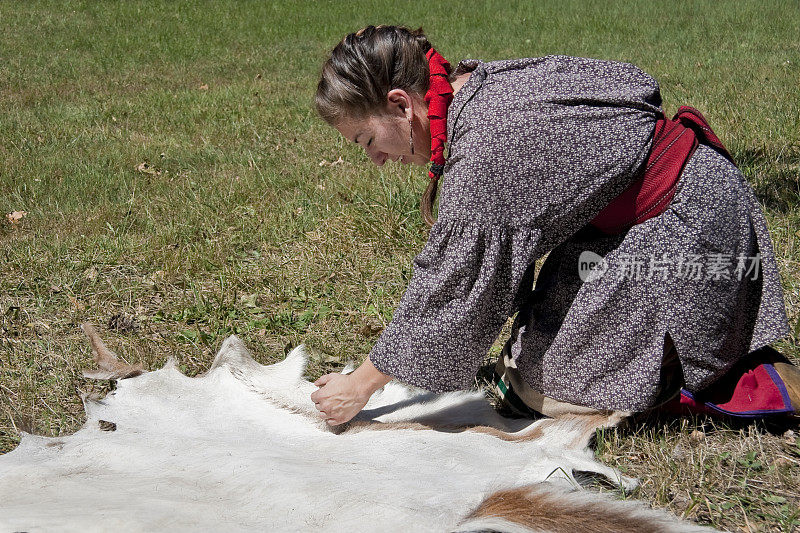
(697, 436)
(370, 330)
(339, 161)
(249, 300)
(76, 304)
(91, 273)
(15, 216)
(145, 168)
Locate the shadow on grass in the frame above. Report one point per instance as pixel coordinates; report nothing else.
(775, 177)
(641, 422)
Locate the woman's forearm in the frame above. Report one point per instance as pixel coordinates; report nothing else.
(370, 378)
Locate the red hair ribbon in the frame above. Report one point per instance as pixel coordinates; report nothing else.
(438, 98)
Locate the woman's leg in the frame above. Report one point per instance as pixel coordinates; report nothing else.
(522, 400)
(763, 385)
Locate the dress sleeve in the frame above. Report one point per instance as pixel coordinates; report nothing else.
(460, 296)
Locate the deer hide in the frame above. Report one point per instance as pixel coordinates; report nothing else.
(241, 448)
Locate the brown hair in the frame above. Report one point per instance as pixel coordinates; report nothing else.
(361, 71)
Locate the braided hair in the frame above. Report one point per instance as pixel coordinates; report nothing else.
(363, 68)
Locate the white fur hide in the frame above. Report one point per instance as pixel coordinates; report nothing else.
(241, 449)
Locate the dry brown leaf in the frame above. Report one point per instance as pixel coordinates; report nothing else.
(91, 273)
(339, 161)
(15, 216)
(77, 304)
(145, 168)
(105, 425)
(697, 436)
(370, 330)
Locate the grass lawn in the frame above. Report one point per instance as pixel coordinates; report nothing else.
(178, 188)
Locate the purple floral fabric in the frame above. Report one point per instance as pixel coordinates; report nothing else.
(537, 147)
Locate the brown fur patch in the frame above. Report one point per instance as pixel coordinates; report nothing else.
(591, 423)
(543, 510)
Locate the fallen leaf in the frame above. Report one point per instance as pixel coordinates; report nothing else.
(681, 452)
(370, 330)
(697, 436)
(324, 163)
(145, 168)
(76, 304)
(91, 273)
(15, 216)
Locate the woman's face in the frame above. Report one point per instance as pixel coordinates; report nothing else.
(386, 136)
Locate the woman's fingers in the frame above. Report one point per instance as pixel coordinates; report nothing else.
(330, 420)
(323, 380)
(319, 395)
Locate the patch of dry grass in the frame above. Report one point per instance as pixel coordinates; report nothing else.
(744, 478)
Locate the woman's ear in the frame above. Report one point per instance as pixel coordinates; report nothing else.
(399, 102)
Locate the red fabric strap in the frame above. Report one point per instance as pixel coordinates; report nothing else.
(753, 390)
(438, 98)
(674, 142)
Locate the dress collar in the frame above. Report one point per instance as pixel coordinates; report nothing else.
(467, 90)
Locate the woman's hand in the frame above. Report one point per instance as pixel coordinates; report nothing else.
(341, 396)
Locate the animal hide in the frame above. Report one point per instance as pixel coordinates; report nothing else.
(241, 448)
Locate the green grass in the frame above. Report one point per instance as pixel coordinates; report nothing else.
(235, 226)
